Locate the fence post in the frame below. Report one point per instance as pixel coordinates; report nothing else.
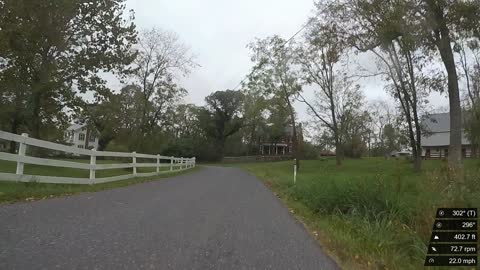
(295, 171)
(158, 163)
(194, 162)
(93, 163)
(181, 163)
(22, 149)
(134, 161)
(171, 163)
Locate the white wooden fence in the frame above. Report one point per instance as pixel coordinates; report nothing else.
(174, 164)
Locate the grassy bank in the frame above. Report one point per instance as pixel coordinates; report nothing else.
(370, 213)
(14, 192)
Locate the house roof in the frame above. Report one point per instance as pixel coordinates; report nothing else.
(439, 122)
(75, 127)
(437, 130)
(441, 139)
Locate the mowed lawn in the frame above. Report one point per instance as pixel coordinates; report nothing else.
(371, 213)
(12, 191)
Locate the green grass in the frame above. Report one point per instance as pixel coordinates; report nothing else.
(14, 192)
(370, 213)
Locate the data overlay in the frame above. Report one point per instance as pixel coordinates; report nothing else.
(454, 239)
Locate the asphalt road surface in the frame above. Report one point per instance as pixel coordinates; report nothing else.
(216, 218)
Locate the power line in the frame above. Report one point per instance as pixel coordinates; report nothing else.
(283, 45)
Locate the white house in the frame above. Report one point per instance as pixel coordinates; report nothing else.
(80, 136)
(436, 139)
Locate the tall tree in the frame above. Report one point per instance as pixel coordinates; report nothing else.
(320, 60)
(104, 115)
(385, 127)
(355, 132)
(161, 59)
(56, 48)
(277, 121)
(468, 50)
(274, 74)
(185, 121)
(442, 21)
(388, 30)
(433, 24)
(254, 118)
(222, 117)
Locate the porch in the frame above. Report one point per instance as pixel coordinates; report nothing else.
(274, 149)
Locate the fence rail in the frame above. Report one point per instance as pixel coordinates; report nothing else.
(174, 164)
(256, 158)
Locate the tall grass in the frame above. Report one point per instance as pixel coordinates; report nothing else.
(376, 213)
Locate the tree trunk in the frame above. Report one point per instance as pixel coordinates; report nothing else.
(455, 151)
(221, 148)
(103, 142)
(338, 153)
(14, 130)
(87, 138)
(338, 146)
(417, 163)
(295, 143)
(294, 131)
(408, 103)
(418, 130)
(251, 141)
(443, 43)
(418, 155)
(35, 120)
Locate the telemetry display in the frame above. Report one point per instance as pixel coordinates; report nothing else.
(454, 239)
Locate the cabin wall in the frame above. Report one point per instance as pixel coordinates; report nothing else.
(439, 152)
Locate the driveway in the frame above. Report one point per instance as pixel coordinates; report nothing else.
(216, 218)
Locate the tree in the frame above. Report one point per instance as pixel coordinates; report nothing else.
(388, 30)
(277, 121)
(353, 121)
(53, 49)
(274, 75)
(105, 116)
(426, 24)
(12, 103)
(469, 51)
(320, 58)
(255, 108)
(384, 119)
(442, 20)
(391, 137)
(472, 127)
(161, 58)
(222, 117)
(187, 138)
(185, 121)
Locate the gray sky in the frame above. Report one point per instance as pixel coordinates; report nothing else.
(218, 31)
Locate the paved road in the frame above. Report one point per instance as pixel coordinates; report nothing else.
(216, 218)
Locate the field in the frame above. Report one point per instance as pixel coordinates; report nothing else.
(370, 213)
(12, 192)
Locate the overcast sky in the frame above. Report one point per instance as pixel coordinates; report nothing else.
(218, 31)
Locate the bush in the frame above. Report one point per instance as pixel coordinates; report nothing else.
(310, 151)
